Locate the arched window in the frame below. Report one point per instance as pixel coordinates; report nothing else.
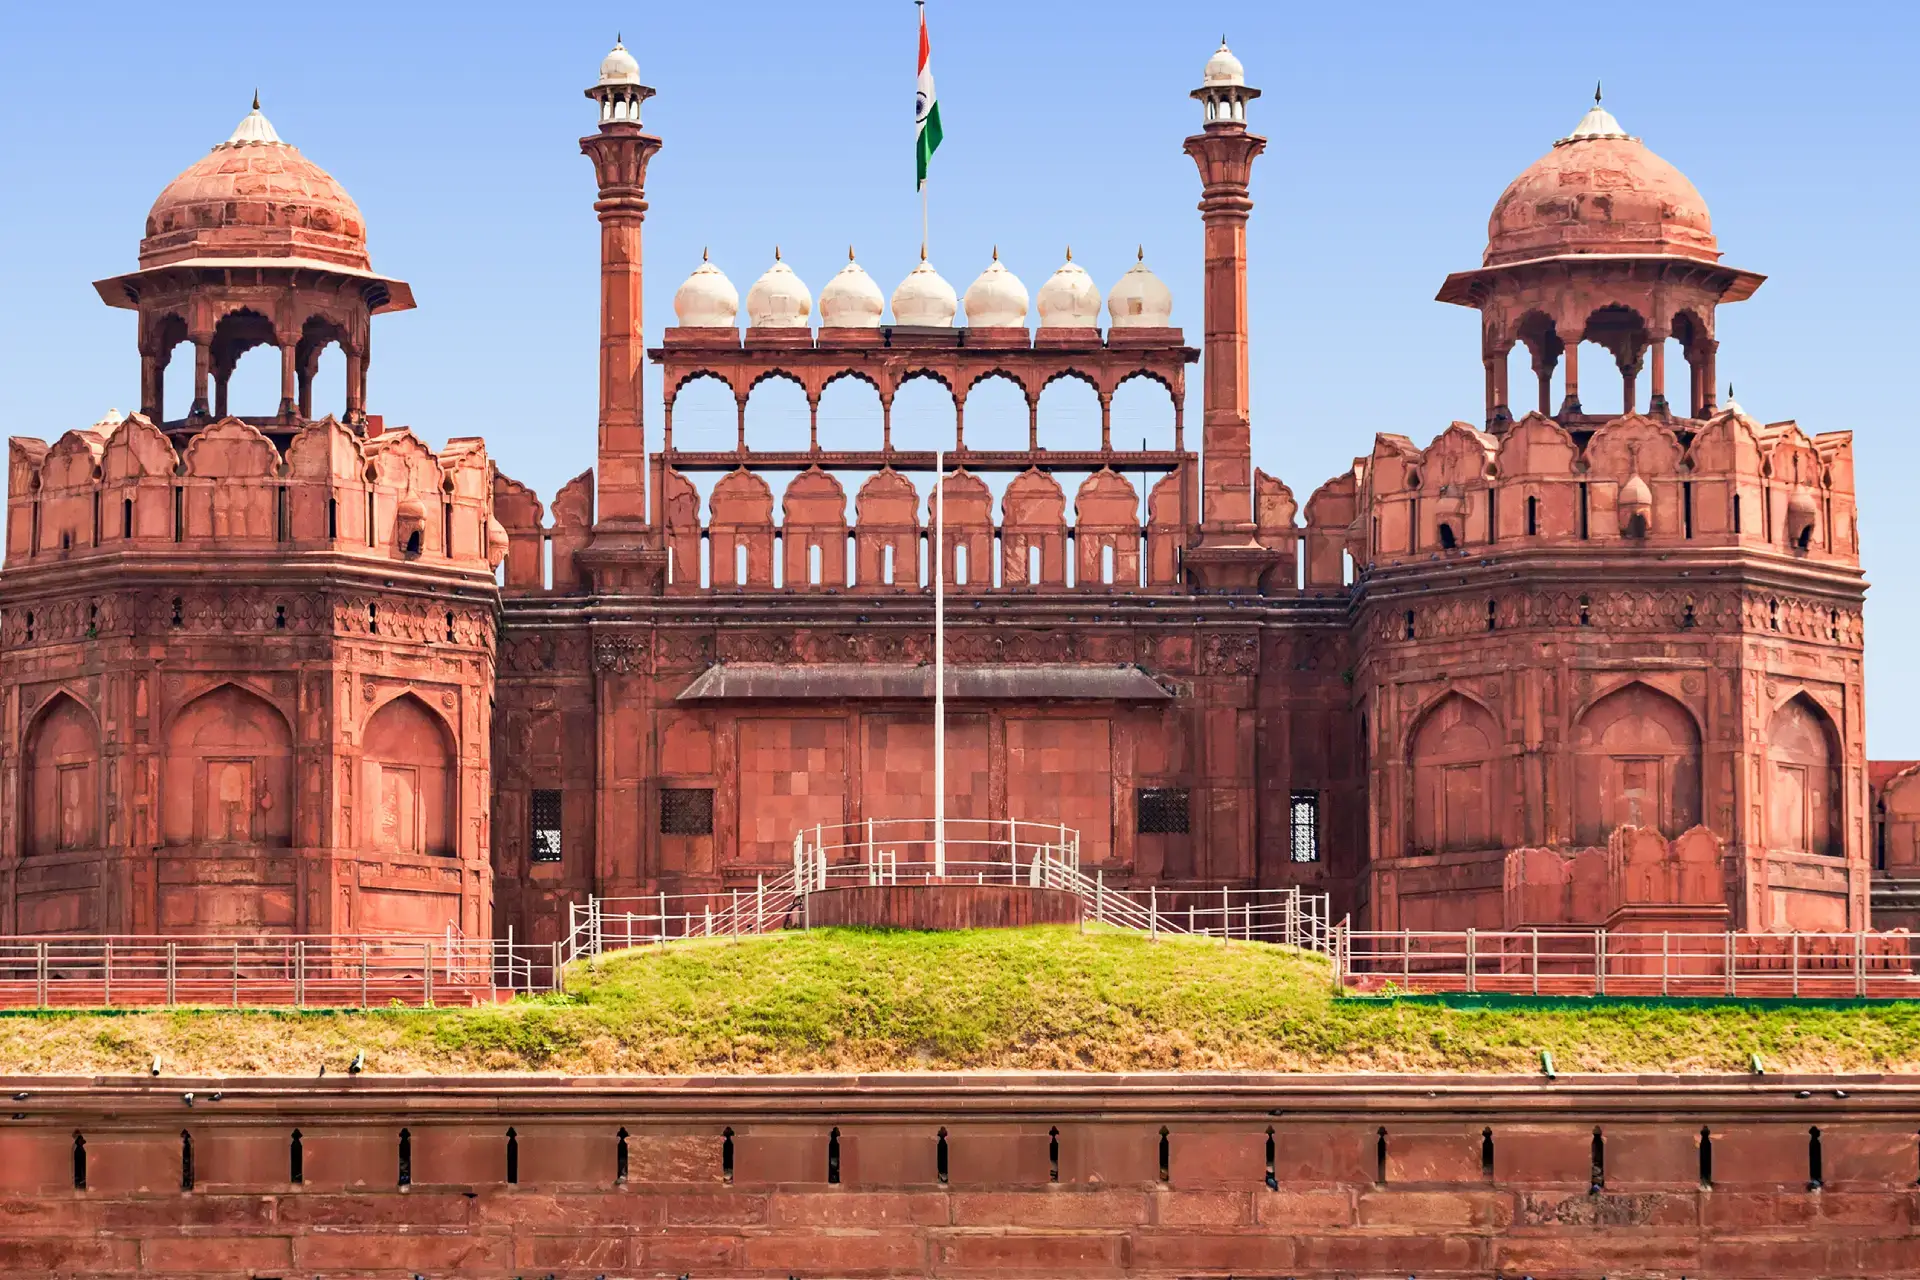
(1636, 761)
(62, 779)
(1457, 782)
(410, 780)
(228, 772)
(1803, 780)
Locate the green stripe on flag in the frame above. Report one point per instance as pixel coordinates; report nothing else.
(927, 143)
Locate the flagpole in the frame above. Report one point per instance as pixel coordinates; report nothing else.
(920, 12)
(939, 665)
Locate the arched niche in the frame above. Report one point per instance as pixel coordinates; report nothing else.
(409, 779)
(1636, 761)
(1454, 757)
(1803, 780)
(62, 779)
(227, 776)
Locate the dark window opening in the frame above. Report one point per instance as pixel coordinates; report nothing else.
(1273, 1181)
(1053, 1155)
(940, 1157)
(1166, 1155)
(177, 620)
(79, 1163)
(446, 529)
(1160, 811)
(1486, 1153)
(1586, 611)
(1447, 541)
(1493, 619)
(686, 811)
(1380, 1157)
(1736, 513)
(333, 518)
(726, 1155)
(126, 517)
(96, 518)
(296, 1159)
(66, 539)
(620, 1157)
(373, 619)
(833, 1158)
(1706, 1156)
(282, 525)
(449, 626)
(279, 617)
(186, 1161)
(1686, 508)
(370, 517)
(1583, 508)
(1409, 621)
(1598, 1174)
(544, 820)
(1493, 527)
(1303, 826)
(513, 1157)
(1687, 618)
(1815, 1162)
(406, 1158)
(1773, 615)
(179, 514)
(1805, 540)
(413, 543)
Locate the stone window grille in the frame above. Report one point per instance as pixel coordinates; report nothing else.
(1303, 826)
(1160, 811)
(686, 811)
(544, 812)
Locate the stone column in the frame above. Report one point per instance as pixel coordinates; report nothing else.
(620, 152)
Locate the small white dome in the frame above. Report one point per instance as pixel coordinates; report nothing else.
(1223, 68)
(619, 67)
(254, 129)
(924, 298)
(1141, 300)
(778, 299)
(997, 299)
(1069, 299)
(707, 300)
(851, 299)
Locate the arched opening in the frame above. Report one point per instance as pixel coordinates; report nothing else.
(1691, 392)
(704, 415)
(1142, 414)
(1542, 344)
(997, 416)
(320, 370)
(254, 392)
(1070, 414)
(410, 780)
(1457, 792)
(849, 414)
(176, 374)
(778, 417)
(1636, 761)
(62, 779)
(1803, 780)
(228, 772)
(923, 414)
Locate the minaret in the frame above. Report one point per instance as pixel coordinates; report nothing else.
(620, 152)
(1228, 556)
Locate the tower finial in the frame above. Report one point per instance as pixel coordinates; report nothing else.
(996, 253)
(1140, 253)
(256, 99)
(1596, 93)
(1069, 253)
(617, 40)
(776, 253)
(849, 253)
(923, 251)
(703, 253)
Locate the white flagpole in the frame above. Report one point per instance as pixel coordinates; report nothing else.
(939, 664)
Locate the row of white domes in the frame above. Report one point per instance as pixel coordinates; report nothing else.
(779, 300)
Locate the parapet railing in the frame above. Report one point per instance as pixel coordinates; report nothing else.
(258, 971)
(973, 851)
(1599, 962)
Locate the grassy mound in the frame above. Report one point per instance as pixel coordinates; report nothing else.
(1028, 999)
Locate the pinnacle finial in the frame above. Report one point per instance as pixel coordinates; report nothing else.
(849, 253)
(776, 253)
(923, 251)
(1596, 93)
(1069, 253)
(996, 253)
(703, 253)
(1140, 253)
(618, 42)
(256, 99)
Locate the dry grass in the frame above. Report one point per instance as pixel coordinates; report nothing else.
(1031, 999)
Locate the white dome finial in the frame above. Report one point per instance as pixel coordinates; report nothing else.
(778, 299)
(707, 299)
(924, 298)
(1069, 299)
(996, 299)
(851, 299)
(1141, 300)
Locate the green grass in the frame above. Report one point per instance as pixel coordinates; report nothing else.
(1026, 999)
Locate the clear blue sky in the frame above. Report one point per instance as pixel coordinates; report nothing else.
(1393, 129)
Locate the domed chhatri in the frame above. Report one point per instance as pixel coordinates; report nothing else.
(924, 298)
(1223, 69)
(1599, 190)
(707, 299)
(1141, 300)
(255, 196)
(996, 299)
(619, 66)
(778, 299)
(1069, 299)
(851, 299)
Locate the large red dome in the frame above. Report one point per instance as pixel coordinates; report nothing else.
(1599, 191)
(254, 196)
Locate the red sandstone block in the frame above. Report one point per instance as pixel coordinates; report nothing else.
(773, 1155)
(998, 1155)
(1770, 1155)
(857, 1209)
(386, 1252)
(243, 1158)
(587, 1252)
(36, 1160)
(718, 1208)
(1298, 1209)
(1869, 1156)
(1342, 1154)
(567, 1155)
(1054, 1207)
(1217, 1158)
(1891, 1255)
(1122, 1154)
(1427, 1155)
(1737, 1212)
(133, 1161)
(459, 1155)
(1652, 1156)
(169, 1212)
(1590, 1253)
(21, 1215)
(1429, 1210)
(670, 1157)
(1647, 1210)
(419, 1209)
(512, 1206)
(837, 1253)
(48, 1255)
(1778, 1258)
(220, 1255)
(1394, 1255)
(338, 1158)
(1202, 1208)
(1543, 1155)
(1222, 1252)
(689, 1253)
(1020, 1251)
(889, 1155)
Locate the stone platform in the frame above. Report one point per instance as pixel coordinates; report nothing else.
(949, 905)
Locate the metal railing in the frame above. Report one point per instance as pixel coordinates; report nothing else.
(345, 971)
(1596, 962)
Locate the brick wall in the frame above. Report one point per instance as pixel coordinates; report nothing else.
(1035, 1176)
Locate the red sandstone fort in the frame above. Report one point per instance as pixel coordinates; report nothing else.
(287, 674)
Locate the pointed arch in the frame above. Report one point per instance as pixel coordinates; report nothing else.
(410, 780)
(1803, 779)
(1454, 759)
(227, 775)
(62, 782)
(1636, 762)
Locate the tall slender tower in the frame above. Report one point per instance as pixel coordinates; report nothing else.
(620, 152)
(1228, 557)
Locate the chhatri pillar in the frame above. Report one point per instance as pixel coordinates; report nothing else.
(620, 152)
(1228, 557)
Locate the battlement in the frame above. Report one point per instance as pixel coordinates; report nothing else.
(124, 487)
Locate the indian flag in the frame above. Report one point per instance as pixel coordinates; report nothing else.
(926, 110)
